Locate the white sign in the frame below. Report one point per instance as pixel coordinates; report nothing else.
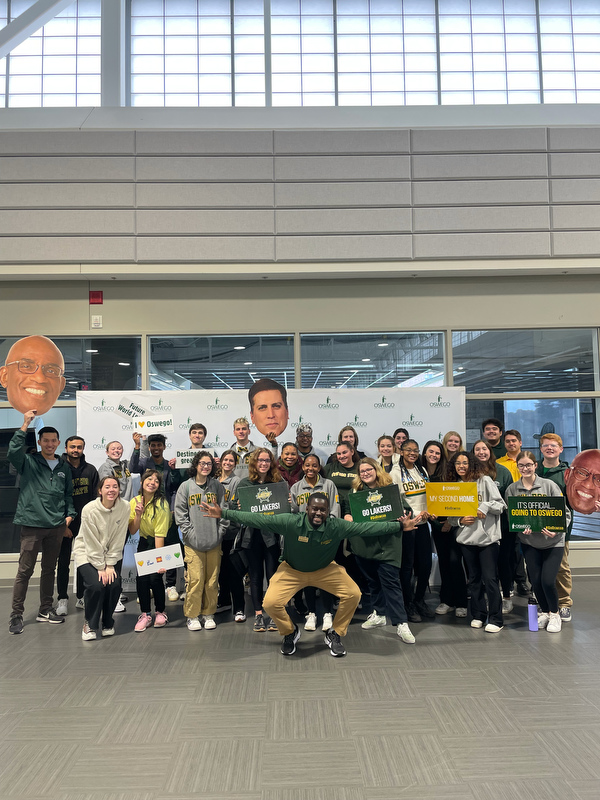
(150, 425)
(128, 408)
(184, 458)
(149, 561)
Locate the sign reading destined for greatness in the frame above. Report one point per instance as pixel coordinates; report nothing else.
(376, 505)
(265, 498)
(536, 513)
(452, 499)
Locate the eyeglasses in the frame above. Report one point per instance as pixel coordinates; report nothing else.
(263, 460)
(28, 367)
(521, 465)
(410, 450)
(581, 474)
(205, 463)
(366, 470)
(550, 446)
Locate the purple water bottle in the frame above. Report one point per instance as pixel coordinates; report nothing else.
(532, 612)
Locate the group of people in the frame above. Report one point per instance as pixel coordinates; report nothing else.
(68, 508)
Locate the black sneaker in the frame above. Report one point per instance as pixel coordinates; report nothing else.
(288, 645)
(423, 609)
(271, 625)
(333, 641)
(49, 616)
(259, 623)
(523, 590)
(412, 614)
(15, 624)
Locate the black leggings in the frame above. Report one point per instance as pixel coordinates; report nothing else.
(417, 554)
(146, 583)
(262, 562)
(100, 600)
(231, 583)
(542, 566)
(453, 589)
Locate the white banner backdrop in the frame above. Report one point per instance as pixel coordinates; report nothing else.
(425, 413)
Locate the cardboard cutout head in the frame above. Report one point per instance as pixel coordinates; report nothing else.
(582, 481)
(33, 374)
(268, 406)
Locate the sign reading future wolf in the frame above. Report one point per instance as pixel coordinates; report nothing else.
(426, 414)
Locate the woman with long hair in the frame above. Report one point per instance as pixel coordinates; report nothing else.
(379, 558)
(388, 458)
(261, 548)
(479, 539)
(400, 435)
(350, 436)
(98, 553)
(507, 557)
(290, 464)
(150, 515)
(452, 443)
(543, 551)
(231, 582)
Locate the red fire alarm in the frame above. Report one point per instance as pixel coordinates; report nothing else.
(96, 298)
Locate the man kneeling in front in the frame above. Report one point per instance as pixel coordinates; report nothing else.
(310, 542)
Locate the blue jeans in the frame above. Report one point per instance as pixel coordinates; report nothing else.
(385, 588)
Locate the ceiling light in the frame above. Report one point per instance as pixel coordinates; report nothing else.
(383, 344)
(91, 351)
(124, 364)
(239, 347)
(366, 359)
(247, 363)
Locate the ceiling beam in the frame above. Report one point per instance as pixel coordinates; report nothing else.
(30, 21)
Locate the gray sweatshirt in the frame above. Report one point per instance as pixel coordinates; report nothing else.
(483, 531)
(102, 534)
(199, 532)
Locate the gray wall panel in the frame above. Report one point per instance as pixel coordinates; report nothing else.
(482, 245)
(66, 249)
(205, 222)
(204, 195)
(66, 195)
(500, 165)
(78, 223)
(576, 217)
(580, 243)
(483, 192)
(574, 138)
(493, 218)
(575, 190)
(67, 142)
(217, 168)
(342, 248)
(342, 141)
(204, 142)
(349, 220)
(584, 165)
(465, 140)
(383, 193)
(205, 249)
(63, 168)
(344, 168)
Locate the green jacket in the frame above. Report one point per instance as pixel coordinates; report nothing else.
(46, 495)
(386, 548)
(305, 548)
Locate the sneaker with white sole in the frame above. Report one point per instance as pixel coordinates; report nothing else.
(80, 604)
(543, 620)
(49, 616)
(554, 624)
(507, 605)
(143, 621)
(327, 622)
(476, 623)
(87, 634)
(491, 627)
(160, 620)
(193, 624)
(405, 633)
(62, 608)
(334, 643)
(209, 623)
(444, 608)
(119, 607)
(460, 612)
(108, 631)
(172, 594)
(565, 613)
(374, 621)
(239, 616)
(288, 645)
(311, 622)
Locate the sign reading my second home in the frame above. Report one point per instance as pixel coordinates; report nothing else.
(536, 513)
(452, 499)
(376, 505)
(265, 498)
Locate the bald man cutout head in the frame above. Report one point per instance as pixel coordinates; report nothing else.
(582, 481)
(33, 374)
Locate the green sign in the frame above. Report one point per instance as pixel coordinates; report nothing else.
(536, 513)
(265, 498)
(376, 505)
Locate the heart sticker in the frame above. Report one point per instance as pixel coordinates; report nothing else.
(141, 424)
(177, 555)
(141, 563)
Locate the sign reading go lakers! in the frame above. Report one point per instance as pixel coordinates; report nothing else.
(452, 499)
(265, 498)
(376, 505)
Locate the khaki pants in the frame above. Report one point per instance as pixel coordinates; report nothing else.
(564, 582)
(202, 581)
(333, 579)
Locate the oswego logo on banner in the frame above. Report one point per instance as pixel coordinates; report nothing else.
(439, 403)
(301, 421)
(328, 405)
(103, 407)
(357, 423)
(217, 406)
(160, 406)
(218, 442)
(101, 445)
(330, 441)
(184, 426)
(412, 422)
(383, 404)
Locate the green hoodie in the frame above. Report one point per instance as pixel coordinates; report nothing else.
(46, 495)
(557, 474)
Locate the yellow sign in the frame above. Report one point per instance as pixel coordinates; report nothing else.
(452, 499)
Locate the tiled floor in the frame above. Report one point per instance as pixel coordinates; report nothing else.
(222, 715)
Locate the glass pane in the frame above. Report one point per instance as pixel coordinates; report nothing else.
(220, 362)
(363, 360)
(525, 360)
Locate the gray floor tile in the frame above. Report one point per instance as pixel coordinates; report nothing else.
(395, 717)
(310, 719)
(289, 765)
(404, 761)
(449, 682)
(141, 723)
(248, 687)
(316, 793)
(29, 770)
(578, 748)
(525, 680)
(217, 766)
(133, 767)
(64, 725)
(470, 716)
(459, 791)
(312, 684)
(376, 684)
(547, 713)
(541, 789)
(201, 721)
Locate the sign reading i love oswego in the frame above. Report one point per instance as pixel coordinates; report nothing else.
(148, 425)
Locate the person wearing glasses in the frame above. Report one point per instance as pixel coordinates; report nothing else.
(33, 374)
(416, 544)
(554, 469)
(543, 551)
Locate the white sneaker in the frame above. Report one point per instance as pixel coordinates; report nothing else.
(80, 603)
(507, 605)
(172, 594)
(311, 622)
(405, 633)
(209, 622)
(460, 612)
(373, 621)
(87, 634)
(119, 607)
(543, 620)
(194, 624)
(327, 622)
(239, 616)
(444, 608)
(555, 623)
(476, 623)
(182, 596)
(62, 608)
(492, 628)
